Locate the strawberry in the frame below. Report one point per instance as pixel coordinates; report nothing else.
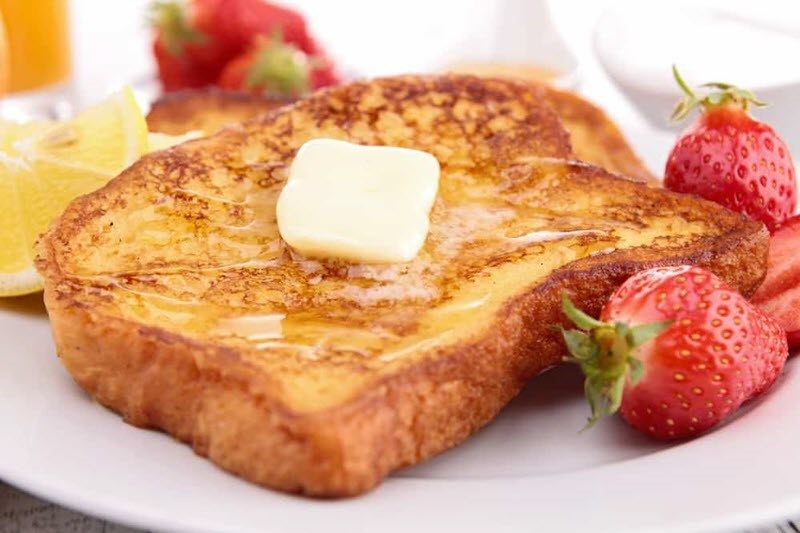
(779, 295)
(276, 68)
(176, 72)
(675, 351)
(730, 158)
(324, 74)
(195, 41)
(244, 19)
(187, 53)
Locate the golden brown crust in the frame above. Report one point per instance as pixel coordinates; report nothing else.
(155, 379)
(207, 110)
(236, 409)
(595, 138)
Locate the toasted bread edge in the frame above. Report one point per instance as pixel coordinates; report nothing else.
(609, 147)
(210, 109)
(205, 395)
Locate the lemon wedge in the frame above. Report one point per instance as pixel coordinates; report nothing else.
(45, 165)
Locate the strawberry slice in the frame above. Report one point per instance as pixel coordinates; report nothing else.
(779, 295)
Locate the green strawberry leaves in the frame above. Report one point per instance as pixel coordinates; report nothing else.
(280, 67)
(605, 353)
(723, 94)
(169, 17)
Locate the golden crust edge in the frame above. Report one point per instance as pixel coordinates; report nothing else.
(206, 396)
(572, 108)
(189, 389)
(627, 162)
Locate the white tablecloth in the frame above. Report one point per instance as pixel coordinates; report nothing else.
(20, 512)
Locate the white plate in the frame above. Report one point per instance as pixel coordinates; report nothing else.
(529, 470)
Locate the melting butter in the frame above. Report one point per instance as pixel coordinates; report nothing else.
(359, 203)
(263, 327)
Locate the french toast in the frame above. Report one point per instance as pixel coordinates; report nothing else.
(207, 110)
(175, 303)
(594, 137)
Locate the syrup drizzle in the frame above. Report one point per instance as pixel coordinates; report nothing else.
(299, 307)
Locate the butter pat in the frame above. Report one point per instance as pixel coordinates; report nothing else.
(366, 204)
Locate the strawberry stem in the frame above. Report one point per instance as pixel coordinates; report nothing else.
(723, 94)
(280, 67)
(578, 317)
(169, 18)
(605, 354)
(682, 83)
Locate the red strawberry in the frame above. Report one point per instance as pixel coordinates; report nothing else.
(675, 351)
(194, 41)
(271, 66)
(176, 72)
(324, 74)
(779, 295)
(730, 158)
(187, 53)
(276, 68)
(244, 19)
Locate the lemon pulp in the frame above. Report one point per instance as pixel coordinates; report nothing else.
(45, 165)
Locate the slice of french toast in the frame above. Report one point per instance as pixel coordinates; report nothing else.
(174, 301)
(207, 110)
(594, 137)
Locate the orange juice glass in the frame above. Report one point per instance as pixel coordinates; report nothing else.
(34, 44)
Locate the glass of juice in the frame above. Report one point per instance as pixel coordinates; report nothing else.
(35, 58)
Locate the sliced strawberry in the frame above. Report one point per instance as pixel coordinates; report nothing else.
(779, 295)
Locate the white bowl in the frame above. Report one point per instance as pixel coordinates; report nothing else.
(638, 42)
